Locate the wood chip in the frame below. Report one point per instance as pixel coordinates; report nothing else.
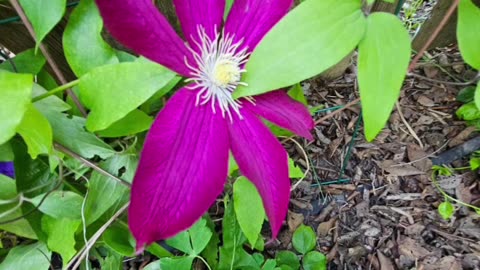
(412, 249)
(425, 101)
(398, 170)
(385, 263)
(294, 220)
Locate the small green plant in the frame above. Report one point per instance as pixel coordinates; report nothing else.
(446, 208)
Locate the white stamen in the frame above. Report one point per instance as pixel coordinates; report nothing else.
(219, 69)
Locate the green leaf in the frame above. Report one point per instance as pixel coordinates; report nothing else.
(114, 261)
(177, 263)
(36, 132)
(383, 56)
(34, 256)
(60, 204)
(307, 41)
(468, 27)
(200, 235)
(289, 259)
(210, 253)
(25, 62)
(134, 122)
(248, 208)
(6, 152)
(104, 191)
(296, 92)
(477, 96)
(120, 240)
(474, 163)
(293, 170)
(111, 92)
(466, 94)
(232, 253)
(314, 260)
(468, 112)
(269, 265)
(82, 41)
(53, 103)
(193, 241)
(61, 236)
(21, 227)
(446, 210)
(43, 15)
(70, 132)
(304, 239)
(15, 90)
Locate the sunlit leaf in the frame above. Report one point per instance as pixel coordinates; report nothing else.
(111, 92)
(43, 15)
(15, 90)
(248, 208)
(383, 56)
(446, 210)
(307, 41)
(61, 236)
(468, 27)
(84, 46)
(36, 132)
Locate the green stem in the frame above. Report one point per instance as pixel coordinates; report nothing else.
(204, 261)
(54, 91)
(435, 183)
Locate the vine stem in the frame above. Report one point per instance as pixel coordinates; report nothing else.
(54, 91)
(47, 55)
(434, 35)
(435, 183)
(204, 261)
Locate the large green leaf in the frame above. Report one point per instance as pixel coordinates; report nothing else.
(6, 152)
(111, 92)
(35, 257)
(120, 240)
(36, 132)
(43, 15)
(105, 192)
(383, 56)
(468, 29)
(83, 44)
(134, 122)
(70, 132)
(311, 38)
(25, 62)
(15, 90)
(61, 236)
(248, 209)
(60, 204)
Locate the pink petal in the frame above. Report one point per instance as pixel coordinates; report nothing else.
(252, 19)
(262, 159)
(182, 170)
(139, 25)
(195, 13)
(280, 109)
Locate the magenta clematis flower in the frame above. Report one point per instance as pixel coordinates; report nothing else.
(184, 162)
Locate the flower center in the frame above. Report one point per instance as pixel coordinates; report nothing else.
(226, 72)
(217, 71)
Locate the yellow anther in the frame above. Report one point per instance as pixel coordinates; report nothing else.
(226, 73)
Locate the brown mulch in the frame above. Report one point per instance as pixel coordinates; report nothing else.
(383, 215)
